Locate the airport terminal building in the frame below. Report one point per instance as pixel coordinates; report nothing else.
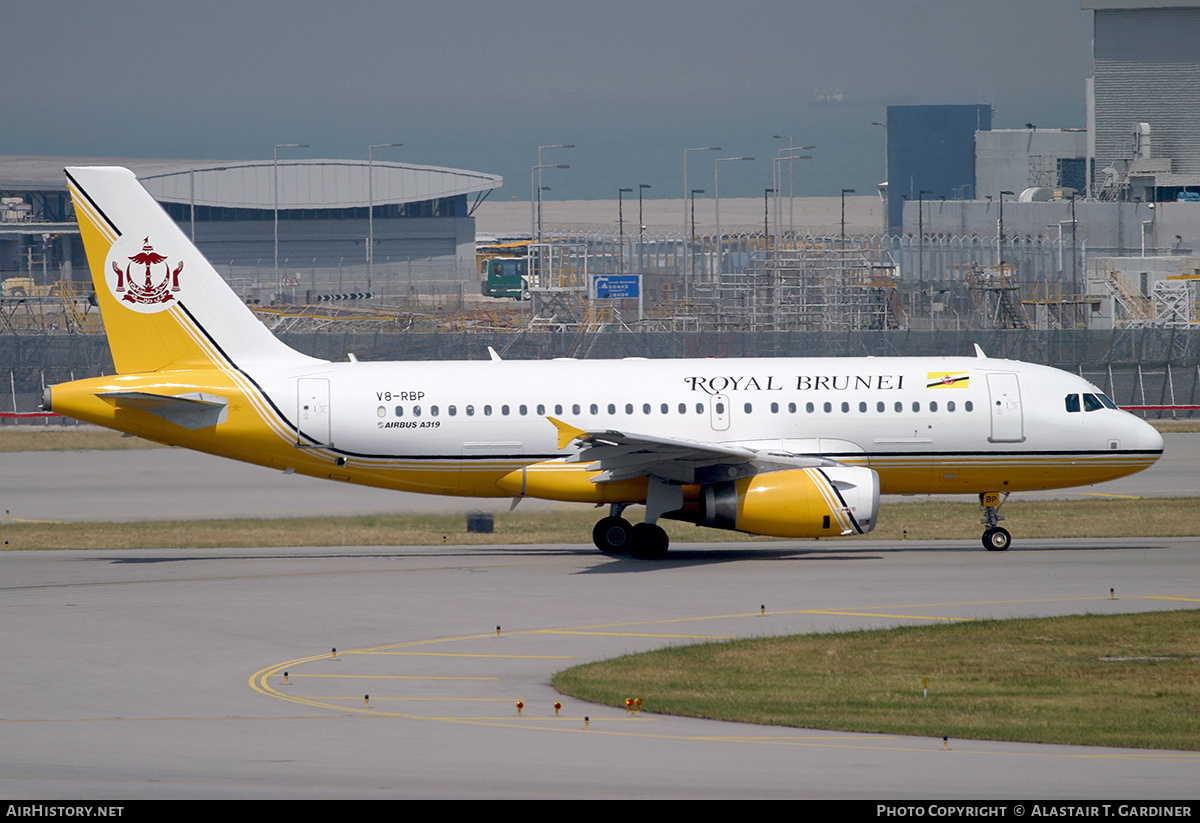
(304, 223)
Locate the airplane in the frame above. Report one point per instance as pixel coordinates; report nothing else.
(785, 447)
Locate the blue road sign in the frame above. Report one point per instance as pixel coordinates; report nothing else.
(616, 286)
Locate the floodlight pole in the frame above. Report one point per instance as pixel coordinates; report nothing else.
(275, 186)
(371, 208)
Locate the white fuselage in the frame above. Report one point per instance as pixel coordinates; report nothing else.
(925, 424)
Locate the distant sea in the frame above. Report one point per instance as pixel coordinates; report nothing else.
(848, 153)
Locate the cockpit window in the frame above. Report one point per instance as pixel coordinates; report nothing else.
(1091, 402)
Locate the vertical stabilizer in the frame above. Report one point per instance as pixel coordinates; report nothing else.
(164, 305)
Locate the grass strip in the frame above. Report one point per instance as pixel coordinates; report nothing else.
(928, 520)
(68, 438)
(1128, 680)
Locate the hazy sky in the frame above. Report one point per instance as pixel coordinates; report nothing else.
(480, 85)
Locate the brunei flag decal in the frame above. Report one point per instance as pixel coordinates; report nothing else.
(947, 380)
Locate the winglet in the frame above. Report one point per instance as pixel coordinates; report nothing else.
(566, 432)
(979, 352)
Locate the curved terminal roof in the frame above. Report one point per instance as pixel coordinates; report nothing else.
(250, 184)
(314, 184)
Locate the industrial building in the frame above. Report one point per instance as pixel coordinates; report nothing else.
(1097, 226)
(1140, 145)
(930, 153)
(1143, 98)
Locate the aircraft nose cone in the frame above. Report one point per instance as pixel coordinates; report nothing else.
(1149, 438)
(1139, 435)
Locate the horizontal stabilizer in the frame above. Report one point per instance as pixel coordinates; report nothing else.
(190, 411)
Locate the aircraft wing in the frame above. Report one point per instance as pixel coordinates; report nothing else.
(625, 455)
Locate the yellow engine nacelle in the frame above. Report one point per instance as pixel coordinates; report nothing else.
(817, 502)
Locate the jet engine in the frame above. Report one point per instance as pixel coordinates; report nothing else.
(811, 502)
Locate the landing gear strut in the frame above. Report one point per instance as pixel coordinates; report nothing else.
(615, 535)
(995, 538)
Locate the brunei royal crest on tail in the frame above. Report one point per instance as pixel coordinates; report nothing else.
(145, 279)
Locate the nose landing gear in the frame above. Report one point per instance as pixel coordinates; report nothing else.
(995, 538)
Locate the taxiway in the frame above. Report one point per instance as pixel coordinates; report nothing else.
(161, 674)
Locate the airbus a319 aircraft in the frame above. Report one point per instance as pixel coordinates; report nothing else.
(774, 446)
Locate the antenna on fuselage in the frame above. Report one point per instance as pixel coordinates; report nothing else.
(979, 352)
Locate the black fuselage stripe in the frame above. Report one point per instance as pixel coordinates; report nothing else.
(229, 361)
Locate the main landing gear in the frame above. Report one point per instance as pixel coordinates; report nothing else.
(616, 535)
(995, 538)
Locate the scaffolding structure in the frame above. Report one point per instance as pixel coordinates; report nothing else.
(817, 286)
(997, 295)
(1149, 292)
(65, 307)
(560, 296)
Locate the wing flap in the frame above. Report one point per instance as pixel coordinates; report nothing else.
(618, 455)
